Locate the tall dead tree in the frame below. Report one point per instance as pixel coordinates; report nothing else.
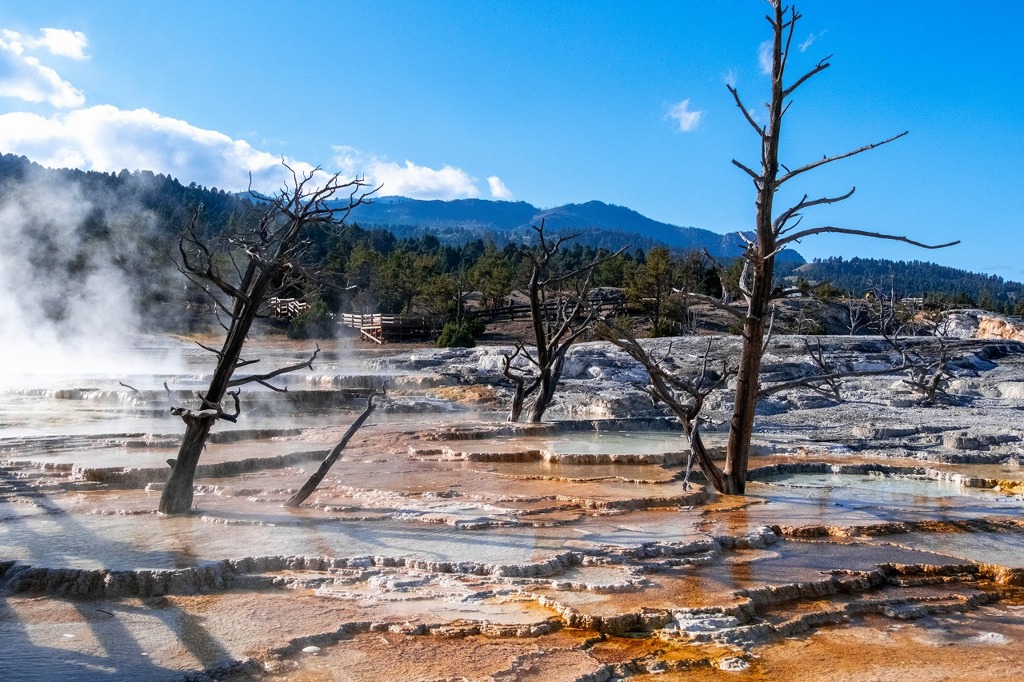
(271, 260)
(560, 314)
(774, 231)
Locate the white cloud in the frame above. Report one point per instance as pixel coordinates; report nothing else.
(106, 138)
(65, 43)
(23, 77)
(810, 40)
(730, 78)
(498, 189)
(408, 180)
(58, 41)
(764, 57)
(686, 119)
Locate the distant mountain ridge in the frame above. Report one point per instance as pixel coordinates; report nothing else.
(597, 223)
(130, 222)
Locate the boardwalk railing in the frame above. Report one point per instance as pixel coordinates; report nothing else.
(287, 308)
(522, 310)
(381, 327)
(385, 327)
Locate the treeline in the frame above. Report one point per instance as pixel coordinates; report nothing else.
(940, 285)
(160, 199)
(72, 224)
(128, 223)
(374, 271)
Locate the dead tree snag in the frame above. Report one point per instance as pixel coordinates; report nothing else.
(560, 316)
(318, 476)
(271, 253)
(684, 396)
(774, 231)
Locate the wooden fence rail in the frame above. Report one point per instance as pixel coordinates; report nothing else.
(381, 327)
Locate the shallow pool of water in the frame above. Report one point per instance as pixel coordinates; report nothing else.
(150, 541)
(1000, 548)
(895, 486)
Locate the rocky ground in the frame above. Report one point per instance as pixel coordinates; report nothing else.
(880, 538)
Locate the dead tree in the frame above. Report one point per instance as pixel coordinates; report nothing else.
(684, 396)
(774, 231)
(926, 363)
(271, 254)
(318, 476)
(827, 380)
(522, 389)
(559, 317)
(857, 314)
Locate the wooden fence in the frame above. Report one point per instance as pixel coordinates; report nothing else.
(379, 328)
(386, 327)
(287, 308)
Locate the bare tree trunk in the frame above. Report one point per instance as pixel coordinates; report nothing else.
(318, 476)
(176, 497)
(556, 324)
(741, 428)
(716, 477)
(518, 396)
(521, 391)
(546, 390)
(772, 234)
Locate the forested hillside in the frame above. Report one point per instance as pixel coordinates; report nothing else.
(943, 285)
(73, 242)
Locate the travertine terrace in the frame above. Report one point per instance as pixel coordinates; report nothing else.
(879, 538)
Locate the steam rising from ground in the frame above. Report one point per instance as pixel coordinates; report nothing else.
(68, 308)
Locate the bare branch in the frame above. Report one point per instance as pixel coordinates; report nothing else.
(746, 113)
(318, 476)
(661, 383)
(130, 388)
(755, 176)
(263, 378)
(770, 331)
(828, 229)
(791, 25)
(276, 389)
(806, 381)
(794, 211)
(830, 159)
(725, 307)
(208, 348)
(821, 66)
(232, 416)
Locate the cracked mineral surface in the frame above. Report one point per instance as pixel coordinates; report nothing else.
(880, 538)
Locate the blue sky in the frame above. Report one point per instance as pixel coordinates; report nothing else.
(545, 102)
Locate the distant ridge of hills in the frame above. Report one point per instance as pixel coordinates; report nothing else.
(916, 278)
(132, 220)
(597, 223)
